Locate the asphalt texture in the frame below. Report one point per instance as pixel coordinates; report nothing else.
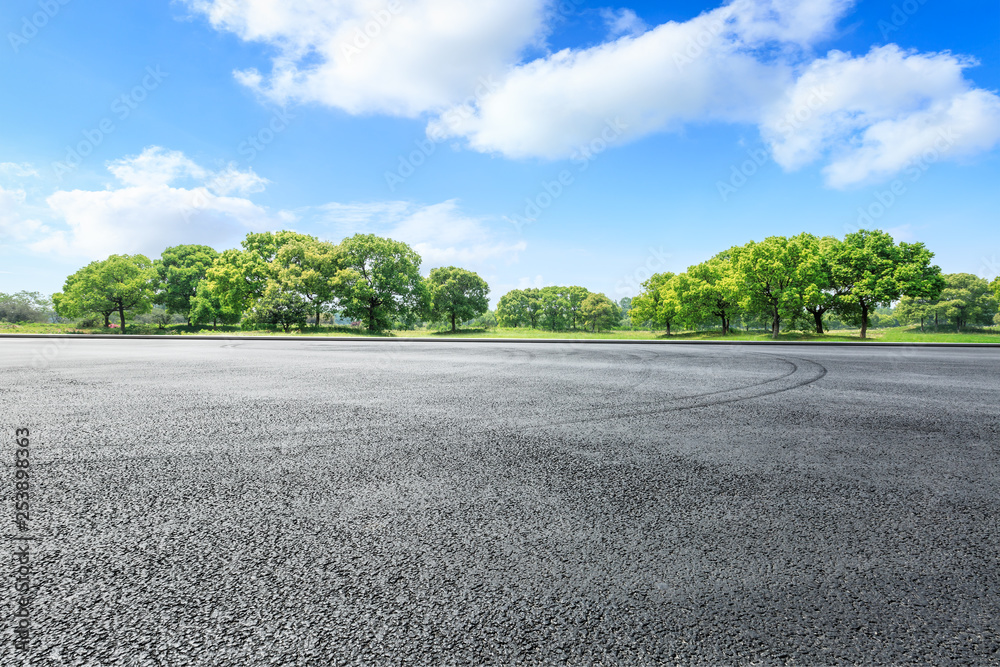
(310, 503)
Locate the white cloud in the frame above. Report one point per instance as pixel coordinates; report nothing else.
(874, 115)
(400, 57)
(148, 212)
(623, 22)
(232, 180)
(15, 226)
(22, 170)
(459, 63)
(706, 69)
(440, 233)
(155, 166)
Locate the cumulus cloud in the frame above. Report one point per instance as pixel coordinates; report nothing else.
(441, 233)
(874, 115)
(709, 68)
(401, 57)
(148, 210)
(460, 64)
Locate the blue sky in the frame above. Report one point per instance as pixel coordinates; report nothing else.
(677, 129)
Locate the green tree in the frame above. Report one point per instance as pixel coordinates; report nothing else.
(968, 299)
(179, 270)
(872, 271)
(308, 266)
(910, 309)
(772, 276)
(279, 306)
(533, 306)
(379, 281)
(207, 306)
(710, 291)
(81, 295)
(239, 278)
(128, 282)
(119, 283)
(574, 296)
(823, 293)
(24, 307)
(555, 307)
(648, 305)
(512, 309)
(599, 312)
(456, 294)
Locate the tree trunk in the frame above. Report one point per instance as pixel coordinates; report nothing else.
(371, 318)
(935, 322)
(864, 320)
(107, 318)
(453, 330)
(818, 316)
(921, 325)
(725, 326)
(775, 325)
(317, 316)
(121, 317)
(668, 328)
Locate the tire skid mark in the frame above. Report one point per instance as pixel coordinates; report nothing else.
(811, 372)
(804, 373)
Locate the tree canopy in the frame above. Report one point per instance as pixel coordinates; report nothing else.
(379, 281)
(180, 269)
(456, 294)
(120, 283)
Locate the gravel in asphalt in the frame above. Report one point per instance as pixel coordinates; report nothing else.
(313, 503)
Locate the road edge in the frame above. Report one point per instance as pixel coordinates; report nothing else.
(424, 339)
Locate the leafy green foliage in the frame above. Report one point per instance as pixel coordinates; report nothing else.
(710, 291)
(180, 269)
(772, 276)
(555, 308)
(307, 266)
(456, 294)
(599, 312)
(279, 306)
(646, 307)
(208, 305)
(967, 299)
(120, 283)
(24, 307)
(872, 271)
(512, 309)
(379, 281)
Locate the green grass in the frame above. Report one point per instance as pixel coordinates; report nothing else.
(914, 335)
(910, 334)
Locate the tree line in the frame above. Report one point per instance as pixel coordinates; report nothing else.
(557, 309)
(284, 279)
(277, 279)
(803, 278)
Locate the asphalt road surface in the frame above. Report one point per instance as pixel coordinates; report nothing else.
(312, 503)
